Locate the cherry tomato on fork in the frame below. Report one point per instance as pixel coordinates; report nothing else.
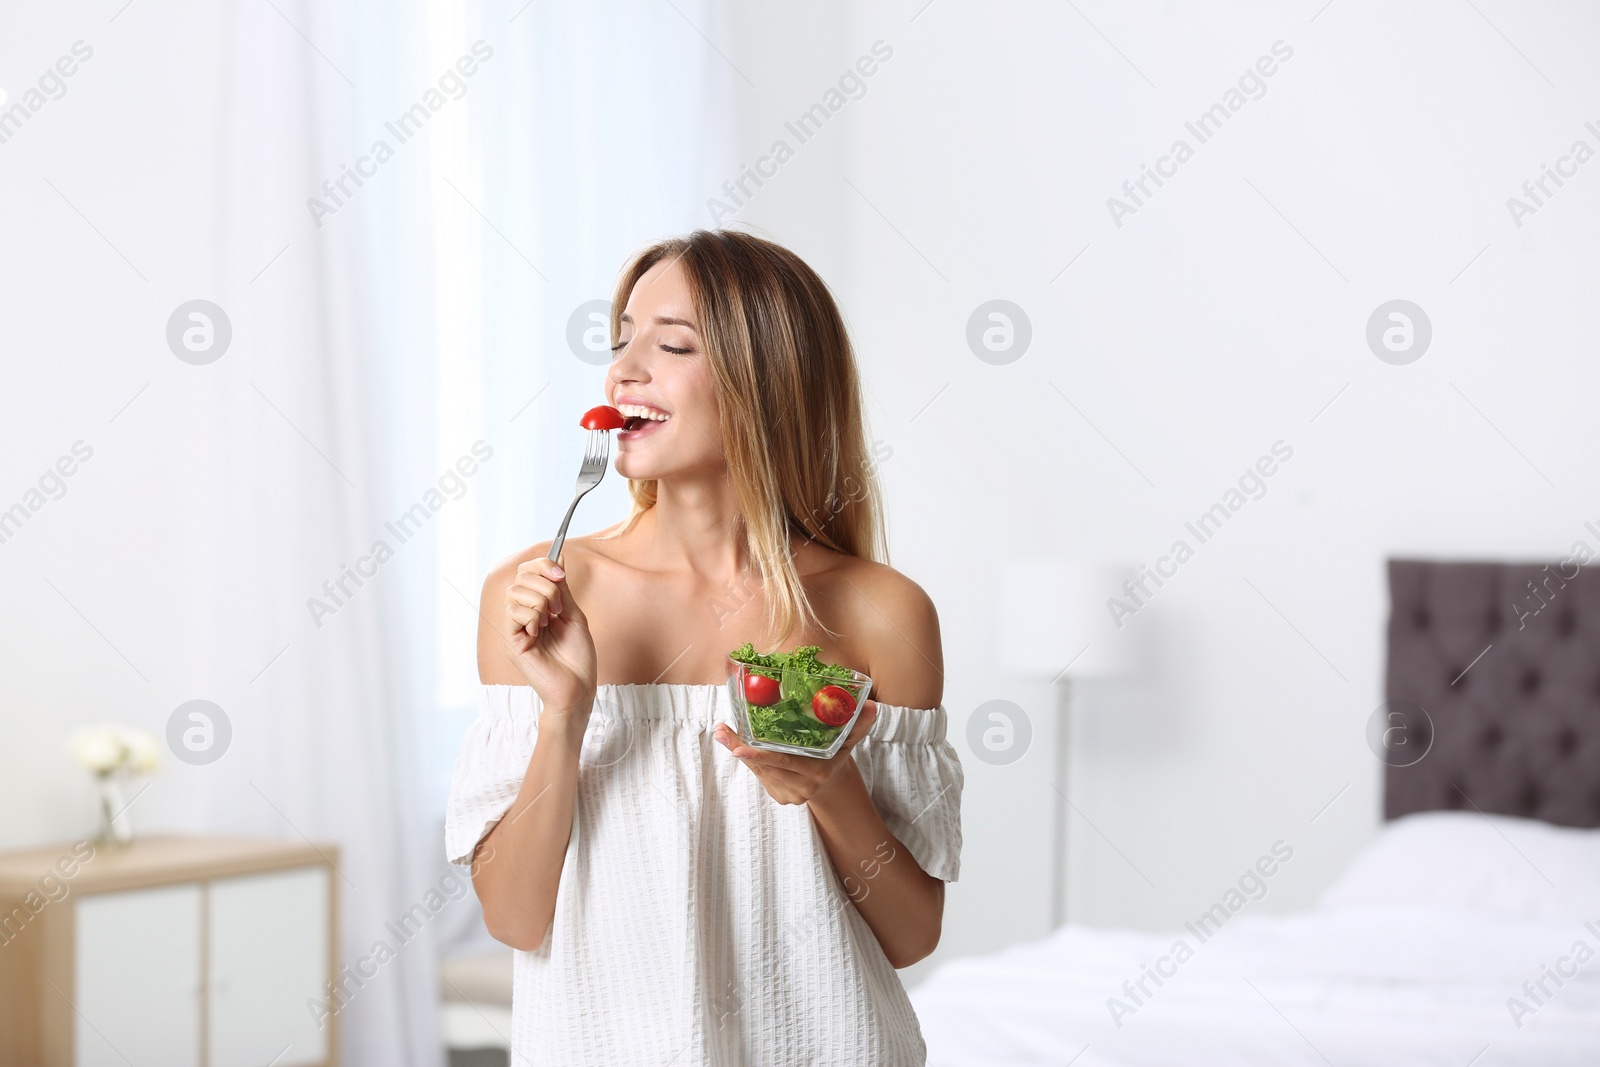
(760, 690)
(604, 417)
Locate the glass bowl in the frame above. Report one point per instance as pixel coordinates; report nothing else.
(788, 724)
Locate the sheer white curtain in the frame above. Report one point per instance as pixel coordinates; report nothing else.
(598, 128)
(414, 336)
(293, 448)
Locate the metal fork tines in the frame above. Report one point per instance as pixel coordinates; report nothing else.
(595, 460)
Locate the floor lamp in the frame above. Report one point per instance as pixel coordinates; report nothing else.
(1055, 628)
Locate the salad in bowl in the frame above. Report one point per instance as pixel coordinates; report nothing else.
(792, 701)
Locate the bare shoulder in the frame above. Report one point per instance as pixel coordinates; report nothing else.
(899, 626)
(495, 665)
(502, 573)
(578, 556)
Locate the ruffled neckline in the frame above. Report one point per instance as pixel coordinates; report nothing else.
(705, 703)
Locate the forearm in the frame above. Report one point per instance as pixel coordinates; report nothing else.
(516, 868)
(902, 904)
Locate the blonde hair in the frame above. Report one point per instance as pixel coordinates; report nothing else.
(777, 345)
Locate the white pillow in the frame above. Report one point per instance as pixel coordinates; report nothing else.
(1489, 864)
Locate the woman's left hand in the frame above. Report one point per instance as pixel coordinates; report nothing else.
(799, 779)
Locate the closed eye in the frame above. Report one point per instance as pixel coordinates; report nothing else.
(620, 345)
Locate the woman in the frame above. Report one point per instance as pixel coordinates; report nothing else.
(676, 896)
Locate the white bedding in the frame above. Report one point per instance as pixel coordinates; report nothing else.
(1414, 957)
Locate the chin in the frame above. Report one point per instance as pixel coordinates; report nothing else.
(643, 469)
(657, 468)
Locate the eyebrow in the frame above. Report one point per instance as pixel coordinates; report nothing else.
(663, 320)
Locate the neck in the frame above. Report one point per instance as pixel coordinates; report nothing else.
(694, 526)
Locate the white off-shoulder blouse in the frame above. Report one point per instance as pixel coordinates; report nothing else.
(699, 921)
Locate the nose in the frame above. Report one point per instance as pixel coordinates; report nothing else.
(626, 366)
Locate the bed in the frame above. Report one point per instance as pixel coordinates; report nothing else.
(1466, 935)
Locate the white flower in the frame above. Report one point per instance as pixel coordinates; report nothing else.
(108, 749)
(143, 755)
(99, 748)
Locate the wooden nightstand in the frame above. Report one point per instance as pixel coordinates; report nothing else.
(179, 951)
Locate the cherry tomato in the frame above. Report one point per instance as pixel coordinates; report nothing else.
(604, 417)
(833, 705)
(760, 690)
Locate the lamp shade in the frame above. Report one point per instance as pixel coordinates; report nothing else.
(1052, 613)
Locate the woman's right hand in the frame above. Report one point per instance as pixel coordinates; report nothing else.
(549, 637)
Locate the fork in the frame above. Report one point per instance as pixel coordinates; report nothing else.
(595, 459)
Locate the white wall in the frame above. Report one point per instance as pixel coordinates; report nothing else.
(1211, 324)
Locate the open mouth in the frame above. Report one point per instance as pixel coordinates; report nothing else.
(640, 420)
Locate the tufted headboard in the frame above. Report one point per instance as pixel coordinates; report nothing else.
(1519, 732)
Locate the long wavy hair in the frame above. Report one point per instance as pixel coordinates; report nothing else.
(777, 345)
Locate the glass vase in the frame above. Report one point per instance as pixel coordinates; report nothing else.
(115, 826)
